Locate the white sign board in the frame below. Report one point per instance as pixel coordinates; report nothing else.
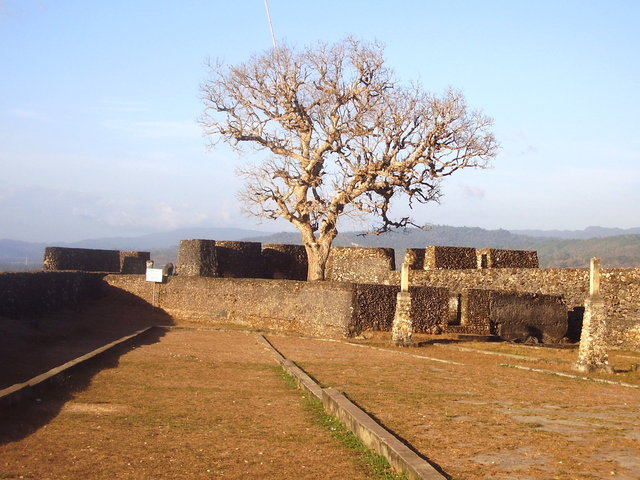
(154, 275)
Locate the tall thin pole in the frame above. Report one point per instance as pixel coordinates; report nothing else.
(273, 36)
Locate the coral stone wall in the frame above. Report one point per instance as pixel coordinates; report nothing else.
(429, 309)
(312, 308)
(85, 259)
(517, 316)
(437, 258)
(495, 258)
(27, 293)
(239, 259)
(620, 289)
(283, 261)
(197, 258)
(414, 258)
(133, 262)
(359, 264)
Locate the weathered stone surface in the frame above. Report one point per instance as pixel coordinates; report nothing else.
(496, 258)
(414, 257)
(521, 316)
(286, 262)
(592, 354)
(197, 258)
(374, 306)
(27, 293)
(402, 329)
(429, 309)
(360, 264)
(620, 289)
(311, 308)
(438, 258)
(512, 316)
(133, 262)
(83, 259)
(240, 259)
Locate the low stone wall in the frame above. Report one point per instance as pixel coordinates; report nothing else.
(360, 264)
(495, 258)
(620, 289)
(311, 308)
(133, 262)
(283, 261)
(29, 293)
(456, 258)
(84, 259)
(514, 316)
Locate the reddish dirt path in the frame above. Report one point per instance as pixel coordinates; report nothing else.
(194, 405)
(481, 420)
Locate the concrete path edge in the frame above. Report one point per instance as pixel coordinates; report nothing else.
(371, 433)
(20, 391)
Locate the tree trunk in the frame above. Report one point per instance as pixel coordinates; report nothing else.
(317, 256)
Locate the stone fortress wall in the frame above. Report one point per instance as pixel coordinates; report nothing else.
(454, 289)
(94, 260)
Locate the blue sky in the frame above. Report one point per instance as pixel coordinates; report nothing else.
(99, 102)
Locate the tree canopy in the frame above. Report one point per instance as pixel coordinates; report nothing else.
(345, 135)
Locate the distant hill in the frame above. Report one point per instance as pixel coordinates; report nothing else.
(17, 255)
(587, 233)
(614, 251)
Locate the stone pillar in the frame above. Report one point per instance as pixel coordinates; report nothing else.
(402, 330)
(592, 354)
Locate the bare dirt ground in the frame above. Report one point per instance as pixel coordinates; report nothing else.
(185, 405)
(478, 419)
(192, 405)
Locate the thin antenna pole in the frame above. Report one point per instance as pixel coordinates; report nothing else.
(273, 36)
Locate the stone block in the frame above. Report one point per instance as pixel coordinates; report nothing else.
(449, 258)
(82, 259)
(134, 262)
(283, 261)
(240, 259)
(197, 258)
(360, 264)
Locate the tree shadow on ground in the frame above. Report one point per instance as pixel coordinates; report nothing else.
(34, 345)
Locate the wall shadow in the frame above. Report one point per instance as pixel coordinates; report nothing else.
(30, 346)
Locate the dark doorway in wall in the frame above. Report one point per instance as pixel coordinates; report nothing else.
(574, 319)
(484, 261)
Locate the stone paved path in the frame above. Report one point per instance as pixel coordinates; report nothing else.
(194, 405)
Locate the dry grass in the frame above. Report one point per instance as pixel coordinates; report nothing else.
(480, 420)
(197, 404)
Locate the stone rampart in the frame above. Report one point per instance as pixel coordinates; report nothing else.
(133, 262)
(620, 289)
(360, 264)
(495, 258)
(514, 316)
(331, 309)
(437, 258)
(239, 259)
(83, 259)
(29, 293)
(197, 258)
(283, 261)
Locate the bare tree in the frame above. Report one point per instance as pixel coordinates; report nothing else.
(344, 134)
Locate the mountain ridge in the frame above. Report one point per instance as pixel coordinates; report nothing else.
(614, 250)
